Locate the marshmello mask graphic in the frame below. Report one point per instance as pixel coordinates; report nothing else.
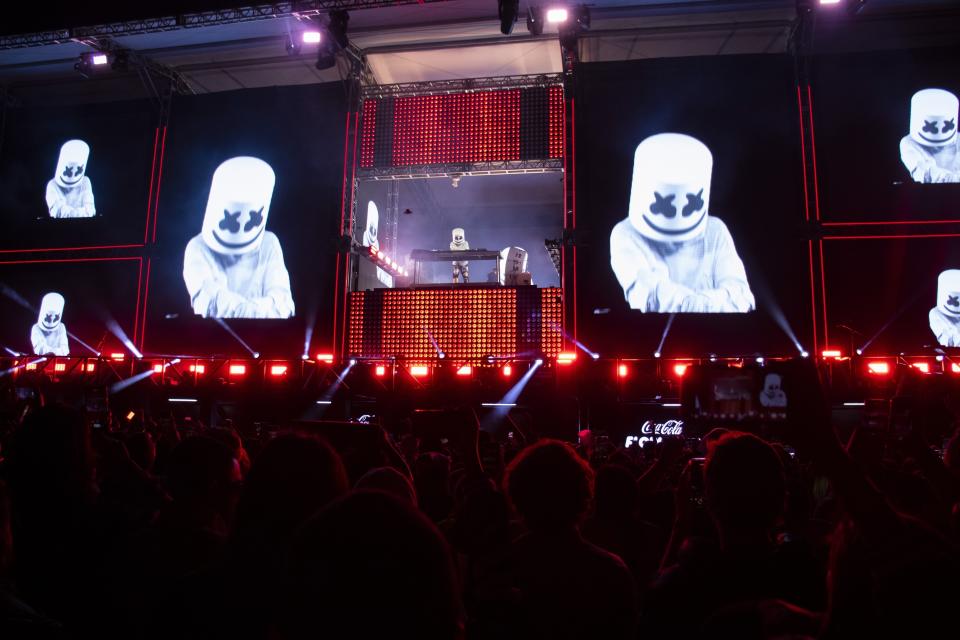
(373, 224)
(945, 317)
(461, 268)
(234, 268)
(70, 193)
(772, 394)
(670, 255)
(49, 335)
(930, 150)
(514, 261)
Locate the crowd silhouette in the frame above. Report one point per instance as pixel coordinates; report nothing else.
(152, 529)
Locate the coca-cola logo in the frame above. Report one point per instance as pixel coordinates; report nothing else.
(668, 428)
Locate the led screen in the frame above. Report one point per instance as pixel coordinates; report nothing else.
(78, 176)
(247, 217)
(690, 207)
(893, 295)
(68, 307)
(885, 125)
(512, 216)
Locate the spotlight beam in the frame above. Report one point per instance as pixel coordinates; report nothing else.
(666, 331)
(891, 320)
(117, 387)
(233, 333)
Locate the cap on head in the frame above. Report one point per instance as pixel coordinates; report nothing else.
(51, 311)
(239, 202)
(670, 194)
(72, 163)
(933, 117)
(948, 292)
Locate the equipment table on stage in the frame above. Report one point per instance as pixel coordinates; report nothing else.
(426, 255)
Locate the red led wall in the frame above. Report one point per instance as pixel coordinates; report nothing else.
(466, 324)
(483, 126)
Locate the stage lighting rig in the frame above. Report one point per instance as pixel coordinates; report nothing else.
(91, 62)
(334, 40)
(508, 10)
(535, 21)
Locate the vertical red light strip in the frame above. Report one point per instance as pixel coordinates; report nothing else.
(346, 270)
(146, 295)
(823, 292)
(573, 205)
(803, 155)
(153, 169)
(813, 155)
(813, 297)
(343, 214)
(156, 204)
(136, 311)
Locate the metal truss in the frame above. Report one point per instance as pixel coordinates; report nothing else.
(461, 86)
(296, 9)
(504, 167)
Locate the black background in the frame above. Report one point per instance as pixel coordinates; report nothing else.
(299, 131)
(861, 109)
(744, 108)
(121, 136)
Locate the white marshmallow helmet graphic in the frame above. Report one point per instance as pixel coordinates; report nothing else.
(51, 311)
(773, 395)
(458, 237)
(670, 194)
(238, 206)
(948, 292)
(373, 224)
(933, 117)
(514, 263)
(72, 163)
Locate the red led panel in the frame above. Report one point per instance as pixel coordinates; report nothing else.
(369, 132)
(464, 324)
(555, 145)
(501, 125)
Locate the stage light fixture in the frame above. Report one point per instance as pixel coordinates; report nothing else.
(832, 353)
(418, 371)
(567, 357)
(535, 20)
(380, 371)
(622, 371)
(91, 367)
(158, 368)
(507, 371)
(557, 15)
(326, 358)
(954, 367)
(656, 354)
(465, 370)
(923, 367)
(829, 2)
(117, 356)
(293, 46)
(199, 369)
(311, 37)
(804, 354)
(878, 368)
(680, 370)
(507, 10)
(278, 370)
(238, 369)
(60, 367)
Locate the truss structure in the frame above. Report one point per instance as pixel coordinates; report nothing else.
(466, 85)
(296, 9)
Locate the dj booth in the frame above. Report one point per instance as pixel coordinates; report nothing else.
(465, 323)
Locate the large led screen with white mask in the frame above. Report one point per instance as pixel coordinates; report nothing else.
(514, 216)
(895, 295)
(76, 176)
(68, 307)
(247, 218)
(885, 127)
(689, 207)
